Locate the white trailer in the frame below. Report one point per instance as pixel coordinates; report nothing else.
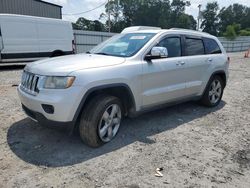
(28, 38)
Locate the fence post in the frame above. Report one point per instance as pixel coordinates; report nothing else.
(75, 43)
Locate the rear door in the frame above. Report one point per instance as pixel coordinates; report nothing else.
(197, 64)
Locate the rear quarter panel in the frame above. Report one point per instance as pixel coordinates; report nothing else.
(219, 64)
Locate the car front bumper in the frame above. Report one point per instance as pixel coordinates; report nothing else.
(41, 119)
(64, 105)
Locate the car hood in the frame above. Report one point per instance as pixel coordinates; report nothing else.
(62, 66)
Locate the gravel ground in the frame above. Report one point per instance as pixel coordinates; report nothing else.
(195, 146)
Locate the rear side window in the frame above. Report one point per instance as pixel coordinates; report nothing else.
(173, 45)
(211, 46)
(194, 47)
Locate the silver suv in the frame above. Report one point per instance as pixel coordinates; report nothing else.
(132, 72)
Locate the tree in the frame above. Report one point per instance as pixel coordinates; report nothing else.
(234, 14)
(150, 13)
(226, 17)
(230, 32)
(210, 21)
(85, 24)
(245, 32)
(178, 9)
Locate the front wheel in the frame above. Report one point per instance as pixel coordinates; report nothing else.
(100, 120)
(213, 93)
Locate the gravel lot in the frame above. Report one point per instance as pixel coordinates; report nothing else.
(196, 146)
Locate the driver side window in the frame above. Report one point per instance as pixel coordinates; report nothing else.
(173, 45)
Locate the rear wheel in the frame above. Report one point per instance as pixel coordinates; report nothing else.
(100, 120)
(213, 92)
(57, 54)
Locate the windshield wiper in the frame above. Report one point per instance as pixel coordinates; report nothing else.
(102, 53)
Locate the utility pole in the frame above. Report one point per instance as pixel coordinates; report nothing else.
(109, 24)
(109, 13)
(199, 17)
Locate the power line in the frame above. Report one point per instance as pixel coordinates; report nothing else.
(88, 10)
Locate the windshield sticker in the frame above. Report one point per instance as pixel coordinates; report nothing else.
(138, 37)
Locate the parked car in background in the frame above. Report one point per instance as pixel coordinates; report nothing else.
(132, 72)
(27, 38)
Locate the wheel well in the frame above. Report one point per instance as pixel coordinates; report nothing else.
(57, 53)
(223, 77)
(121, 92)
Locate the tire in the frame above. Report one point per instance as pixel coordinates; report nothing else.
(97, 125)
(213, 93)
(57, 54)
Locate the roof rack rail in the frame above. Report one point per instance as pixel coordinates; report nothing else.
(138, 28)
(176, 28)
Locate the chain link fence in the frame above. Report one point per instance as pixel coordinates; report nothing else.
(86, 40)
(238, 45)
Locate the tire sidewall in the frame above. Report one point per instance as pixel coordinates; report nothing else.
(205, 98)
(94, 114)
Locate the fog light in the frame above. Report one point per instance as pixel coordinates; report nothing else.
(48, 108)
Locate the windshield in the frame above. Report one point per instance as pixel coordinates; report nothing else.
(123, 45)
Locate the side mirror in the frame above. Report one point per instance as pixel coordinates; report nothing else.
(157, 53)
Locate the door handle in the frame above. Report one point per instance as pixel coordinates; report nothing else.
(209, 60)
(182, 62)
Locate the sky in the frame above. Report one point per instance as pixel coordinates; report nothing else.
(76, 6)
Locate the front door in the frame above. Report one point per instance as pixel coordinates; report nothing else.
(164, 79)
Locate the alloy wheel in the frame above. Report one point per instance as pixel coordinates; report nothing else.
(109, 123)
(215, 91)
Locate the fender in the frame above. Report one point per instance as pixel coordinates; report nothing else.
(100, 88)
(214, 73)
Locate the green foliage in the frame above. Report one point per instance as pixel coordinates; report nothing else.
(127, 13)
(210, 20)
(237, 28)
(85, 24)
(234, 14)
(245, 32)
(229, 21)
(234, 30)
(159, 13)
(230, 32)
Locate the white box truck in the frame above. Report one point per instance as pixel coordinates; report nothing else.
(28, 38)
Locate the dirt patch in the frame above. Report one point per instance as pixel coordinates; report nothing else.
(243, 158)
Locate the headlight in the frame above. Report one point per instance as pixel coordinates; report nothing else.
(56, 82)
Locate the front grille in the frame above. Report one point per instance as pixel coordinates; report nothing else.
(29, 83)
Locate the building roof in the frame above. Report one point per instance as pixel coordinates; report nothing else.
(49, 3)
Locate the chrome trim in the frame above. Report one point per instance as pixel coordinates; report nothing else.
(29, 83)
